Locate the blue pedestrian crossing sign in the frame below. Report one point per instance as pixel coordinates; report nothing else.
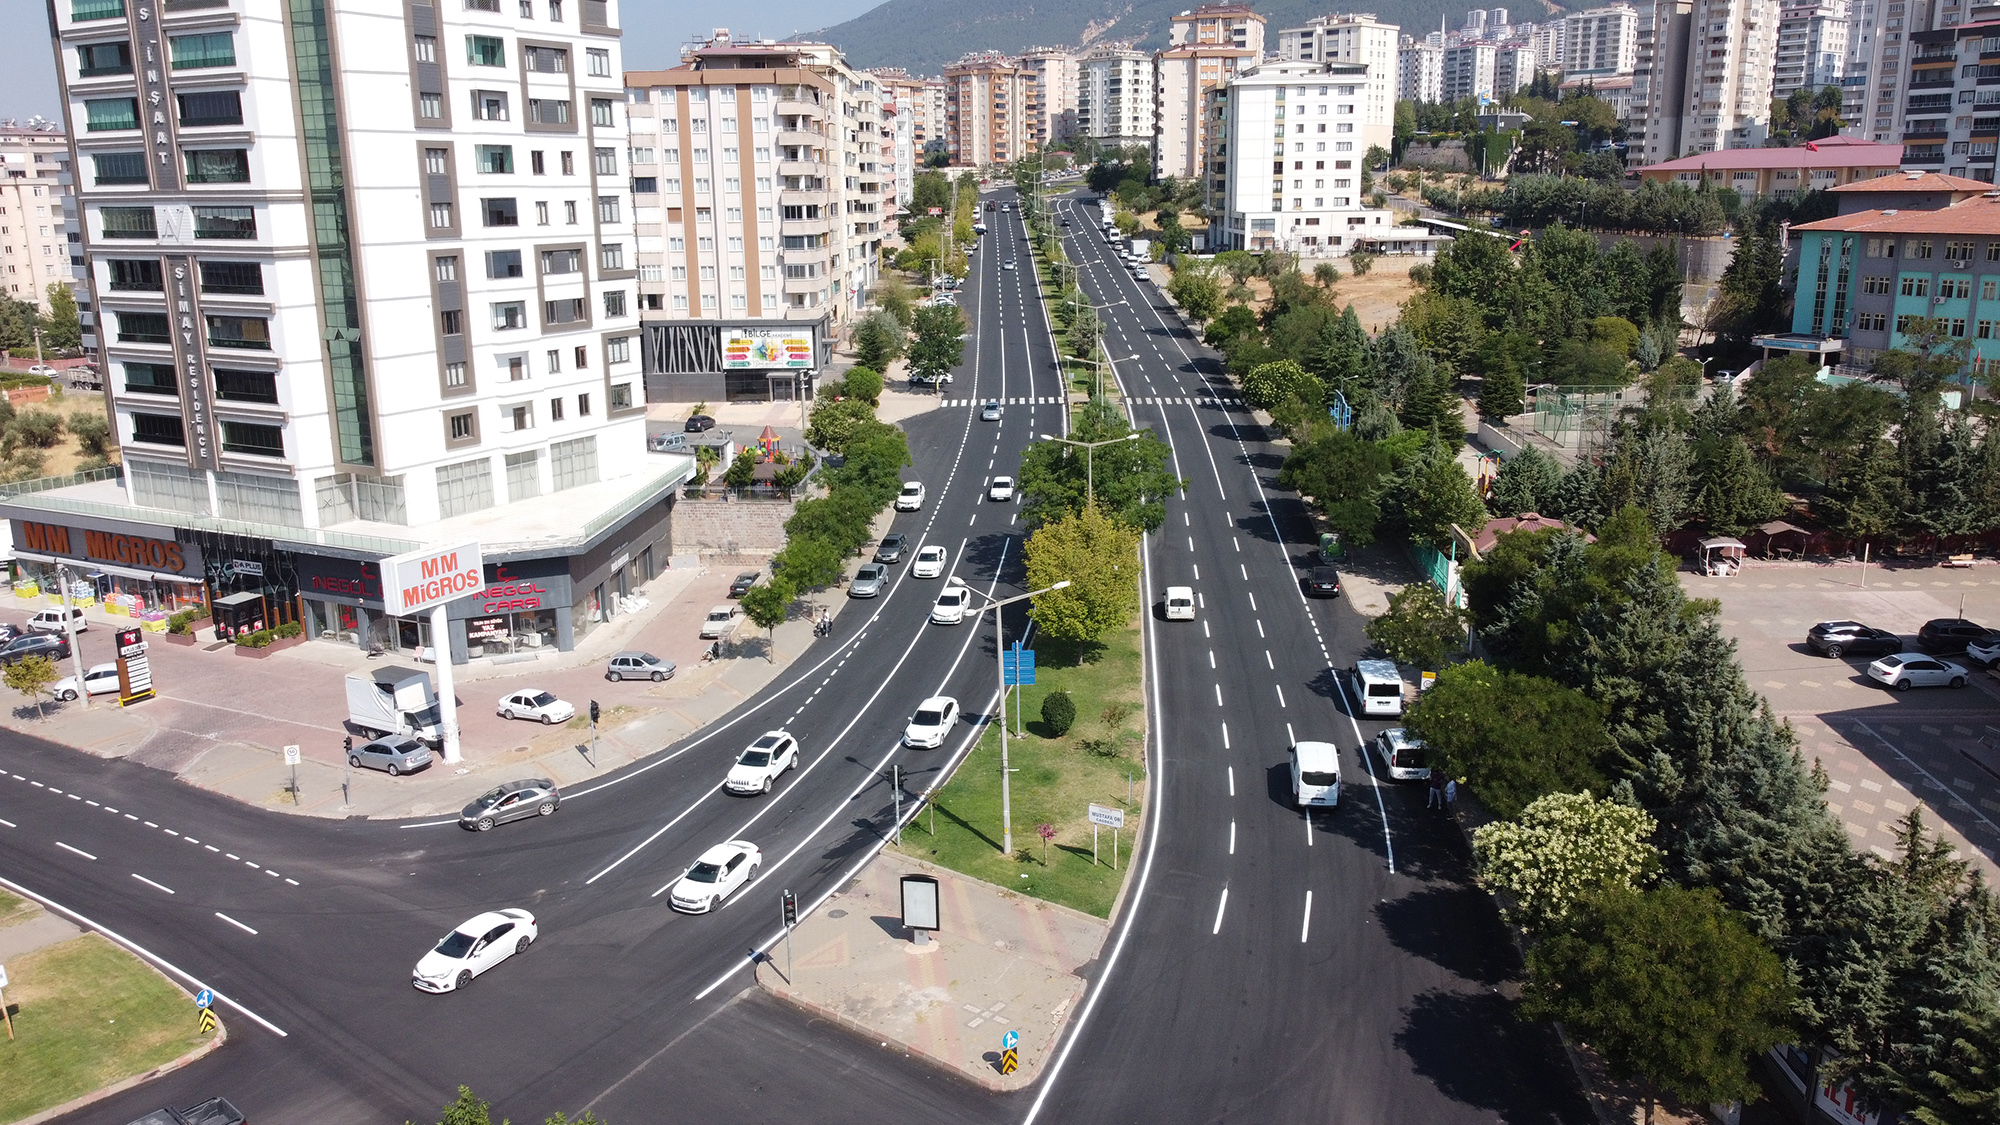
(1017, 666)
(1010, 1040)
(204, 998)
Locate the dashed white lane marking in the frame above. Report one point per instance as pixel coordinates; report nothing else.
(1211, 658)
(1281, 694)
(1219, 907)
(1232, 779)
(1268, 662)
(1253, 601)
(8, 824)
(1246, 571)
(1218, 695)
(150, 883)
(1309, 828)
(93, 804)
(234, 922)
(1225, 746)
(1260, 628)
(1232, 837)
(78, 851)
(1306, 928)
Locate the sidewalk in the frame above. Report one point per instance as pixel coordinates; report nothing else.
(1001, 963)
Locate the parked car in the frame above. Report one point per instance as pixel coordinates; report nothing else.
(912, 496)
(698, 423)
(930, 562)
(50, 620)
(1906, 670)
(514, 800)
(1403, 754)
(481, 942)
(10, 631)
(1985, 653)
(638, 666)
(1948, 634)
(744, 582)
(396, 754)
(214, 1111)
(1323, 582)
(720, 622)
(719, 873)
(891, 548)
(763, 762)
(534, 703)
(100, 679)
(1837, 638)
(867, 581)
(55, 646)
(932, 722)
(46, 371)
(667, 443)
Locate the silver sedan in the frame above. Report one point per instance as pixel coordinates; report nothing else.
(514, 800)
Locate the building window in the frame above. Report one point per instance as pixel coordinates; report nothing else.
(569, 211)
(465, 487)
(547, 60)
(494, 159)
(194, 52)
(568, 162)
(573, 464)
(489, 105)
(607, 209)
(426, 48)
(523, 417)
(600, 62)
(600, 111)
(430, 106)
(158, 429)
(461, 426)
(605, 160)
(485, 50)
(1919, 248)
(218, 107)
(524, 476)
(231, 277)
(611, 256)
(105, 114)
(246, 386)
(114, 168)
(253, 438)
(542, 213)
(81, 10)
(555, 410)
(437, 161)
(1914, 286)
(535, 163)
(500, 212)
(1878, 283)
(516, 367)
(553, 361)
(225, 222)
(621, 396)
(447, 268)
(218, 166)
(150, 379)
(503, 263)
(568, 310)
(127, 222)
(441, 216)
(614, 302)
(583, 406)
(582, 359)
(95, 60)
(618, 349)
(561, 261)
(252, 332)
(509, 315)
(454, 374)
(135, 276)
(451, 322)
(548, 111)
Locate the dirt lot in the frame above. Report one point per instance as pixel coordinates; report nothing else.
(1377, 298)
(62, 459)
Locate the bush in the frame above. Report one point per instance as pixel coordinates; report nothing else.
(288, 630)
(262, 638)
(1059, 712)
(182, 623)
(864, 383)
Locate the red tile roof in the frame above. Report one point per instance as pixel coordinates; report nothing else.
(1833, 152)
(1916, 181)
(1978, 215)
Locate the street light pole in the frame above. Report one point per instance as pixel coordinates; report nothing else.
(1000, 679)
(1089, 458)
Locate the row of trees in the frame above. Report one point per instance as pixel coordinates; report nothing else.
(62, 331)
(1707, 905)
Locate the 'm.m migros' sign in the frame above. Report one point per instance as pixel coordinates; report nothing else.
(418, 580)
(139, 551)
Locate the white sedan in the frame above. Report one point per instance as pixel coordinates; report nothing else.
(950, 607)
(763, 763)
(930, 562)
(719, 872)
(101, 679)
(934, 719)
(1001, 490)
(534, 703)
(482, 942)
(1916, 669)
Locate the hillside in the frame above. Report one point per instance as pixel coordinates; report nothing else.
(921, 36)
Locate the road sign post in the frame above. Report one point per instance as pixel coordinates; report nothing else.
(292, 760)
(896, 792)
(204, 1004)
(430, 579)
(1114, 819)
(594, 712)
(788, 906)
(3, 1004)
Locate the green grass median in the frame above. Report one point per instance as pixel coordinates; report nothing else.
(1057, 779)
(86, 1014)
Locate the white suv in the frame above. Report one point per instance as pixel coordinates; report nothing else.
(912, 496)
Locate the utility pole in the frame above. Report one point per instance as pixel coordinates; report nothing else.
(1089, 452)
(1000, 680)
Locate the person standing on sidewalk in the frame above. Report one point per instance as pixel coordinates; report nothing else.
(1436, 798)
(1450, 793)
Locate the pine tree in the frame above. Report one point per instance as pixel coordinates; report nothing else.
(1431, 403)
(1526, 482)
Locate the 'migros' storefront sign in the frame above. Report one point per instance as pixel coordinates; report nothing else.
(112, 548)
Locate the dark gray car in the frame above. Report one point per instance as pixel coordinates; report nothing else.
(891, 549)
(55, 646)
(396, 754)
(515, 800)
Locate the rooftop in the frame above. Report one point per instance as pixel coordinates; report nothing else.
(1832, 152)
(1978, 215)
(1917, 181)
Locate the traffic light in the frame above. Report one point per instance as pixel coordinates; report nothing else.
(593, 712)
(791, 902)
(347, 744)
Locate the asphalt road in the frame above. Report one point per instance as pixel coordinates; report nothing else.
(308, 929)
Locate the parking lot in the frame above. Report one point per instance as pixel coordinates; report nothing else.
(1883, 751)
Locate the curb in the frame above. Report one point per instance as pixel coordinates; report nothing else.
(221, 1036)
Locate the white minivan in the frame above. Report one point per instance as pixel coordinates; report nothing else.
(1180, 603)
(50, 620)
(1315, 774)
(1380, 686)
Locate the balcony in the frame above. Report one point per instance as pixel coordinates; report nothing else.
(805, 285)
(1926, 135)
(804, 168)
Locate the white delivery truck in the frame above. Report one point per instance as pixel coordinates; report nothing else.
(394, 701)
(1141, 251)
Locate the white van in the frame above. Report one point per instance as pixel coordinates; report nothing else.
(1180, 603)
(1315, 774)
(1380, 686)
(50, 620)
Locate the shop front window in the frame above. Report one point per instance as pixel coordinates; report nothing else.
(587, 614)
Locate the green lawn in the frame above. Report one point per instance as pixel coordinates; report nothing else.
(14, 908)
(86, 1014)
(1057, 780)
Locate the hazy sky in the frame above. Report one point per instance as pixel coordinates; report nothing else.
(653, 35)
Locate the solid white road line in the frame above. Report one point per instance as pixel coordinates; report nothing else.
(234, 922)
(150, 883)
(142, 951)
(78, 851)
(454, 820)
(1305, 928)
(1219, 906)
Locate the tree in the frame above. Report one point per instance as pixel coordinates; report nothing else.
(1513, 737)
(1441, 495)
(1236, 320)
(1562, 848)
(1420, 628)
(1058, 712)
(808, 562)
(1196, 288)
(1273, 383)
(1326, 275)
(836, 421)
(743, 469)
(1667, 986)
(93, 434)
(1431, 404)
(1342, 474)
(878, 340)
(61, 328)
(1526, 482)
(939, 345)
(1359, 262)
(37, 429)
(32, 676)
(892, 293)
(1131, 478)
(1099, 559)
(767, 606)
(864, 384)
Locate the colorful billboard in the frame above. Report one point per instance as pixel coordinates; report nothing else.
(749, 350)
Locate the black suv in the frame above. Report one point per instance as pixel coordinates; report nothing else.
(1838, 638)
(1949, 634)
(55, 646)
(1323, 582)
(891, 549)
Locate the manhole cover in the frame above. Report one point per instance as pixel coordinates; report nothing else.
(836, 913)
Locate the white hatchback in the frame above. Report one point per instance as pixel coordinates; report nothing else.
(930, 562)
(101, 679)
(1916, 669)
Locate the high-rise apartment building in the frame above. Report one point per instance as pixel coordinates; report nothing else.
(1303, 193)
(1114, 103)
(1419, 71)
(1513, 67)
(1054, 71)
(1550, 39)
(35, 214)
(1356, 38)
(1659, 83)
(1879, 67)
(899, 151)
(363, 276)
(1210, 45)
(1218, 25)
(1732, 47)
(911, 128)
(1600, 41)
(1812, 46)
(763, 175)
(1468, 71)
(1951, 121)
(987, 114)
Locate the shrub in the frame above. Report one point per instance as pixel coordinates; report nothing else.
(259, 639)
(1059, 712)
(288, 630)
(1102, 747)
(1115, 715)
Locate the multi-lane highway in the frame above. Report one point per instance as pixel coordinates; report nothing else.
(1266, 967)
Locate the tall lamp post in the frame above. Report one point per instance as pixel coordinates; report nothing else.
(1090, 450)
(69, 630)
(1000, 675)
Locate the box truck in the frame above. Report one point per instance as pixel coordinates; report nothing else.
(394, 701)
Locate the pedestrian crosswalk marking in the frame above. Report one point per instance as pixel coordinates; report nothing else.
(1141, 400)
